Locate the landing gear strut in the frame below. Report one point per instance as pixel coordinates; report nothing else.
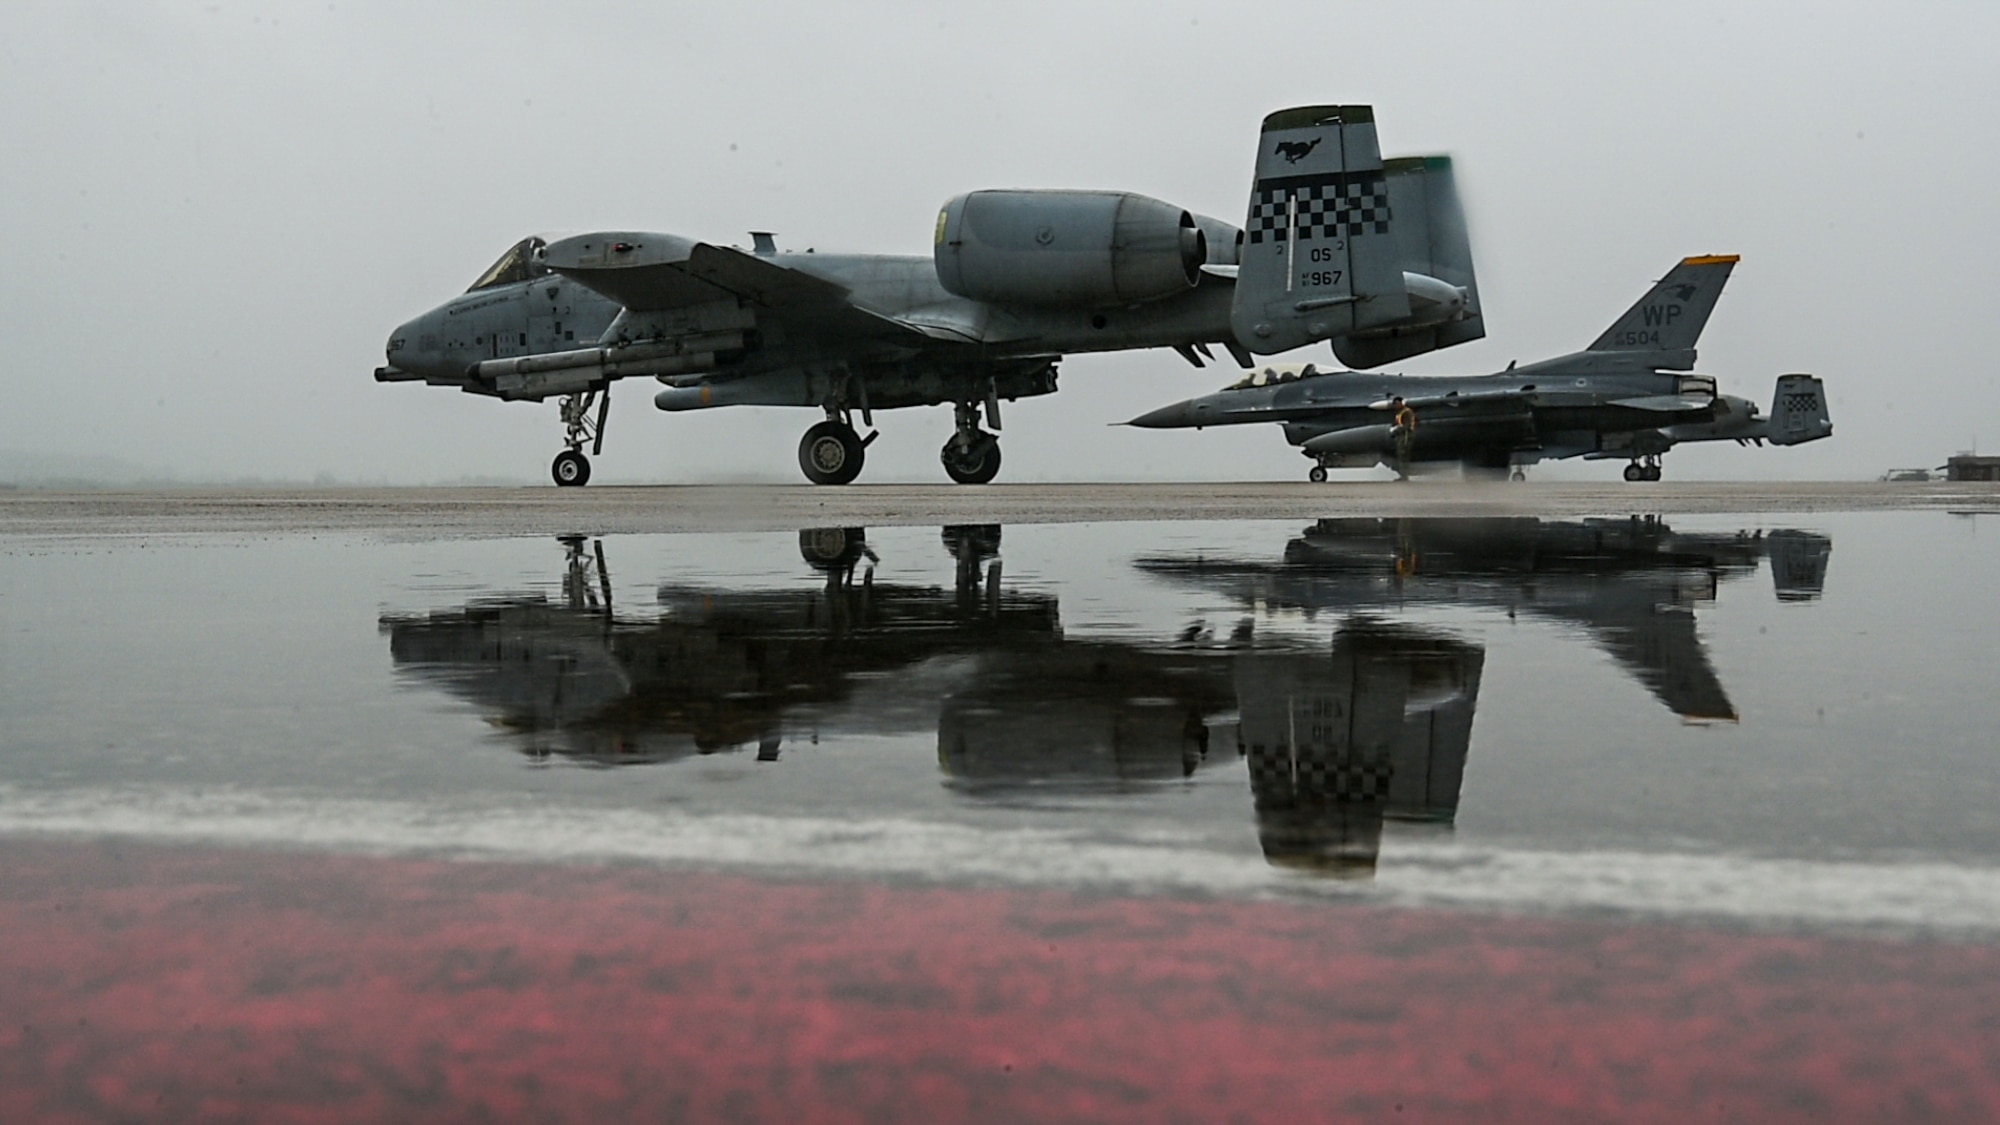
(972, 456)
(571, 467)
(1646, 469)
(832, 453)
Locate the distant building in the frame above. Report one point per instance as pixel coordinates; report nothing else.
(1966, 466)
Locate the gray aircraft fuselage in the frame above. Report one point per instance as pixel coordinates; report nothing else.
(1338, 245)
(1564, 407)
(550, 313)
(1632, 393)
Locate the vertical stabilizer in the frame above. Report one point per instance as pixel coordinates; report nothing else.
(1798, 411)
(1670, 317)
(1435, 253)
(1318, 256)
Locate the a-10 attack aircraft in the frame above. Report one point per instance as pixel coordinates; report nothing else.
(1629, 395)
(1339, 245)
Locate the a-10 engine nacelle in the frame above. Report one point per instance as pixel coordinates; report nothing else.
(1092, 248)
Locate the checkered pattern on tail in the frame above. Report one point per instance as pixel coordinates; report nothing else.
(1329, 206)
(1319, 776)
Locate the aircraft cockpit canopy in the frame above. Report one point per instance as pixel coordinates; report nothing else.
(1272, 376)
(521, 262)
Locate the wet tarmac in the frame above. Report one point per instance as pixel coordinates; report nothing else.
(430, 513)
(1529, 817)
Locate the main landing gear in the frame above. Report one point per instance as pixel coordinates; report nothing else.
(1646, 469)
(972, 456)
(571, 468)
(831, 452)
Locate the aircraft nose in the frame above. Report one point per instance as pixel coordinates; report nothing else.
(411, 351)
(1178, 416)
(402, 342)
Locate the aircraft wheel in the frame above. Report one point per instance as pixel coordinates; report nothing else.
(831, 453)
(1519, 474)
(971, 542)
(832, 548)
(977, 466)
(571, 469)
(1652, 472)
(1317, 474)
(1635, 471)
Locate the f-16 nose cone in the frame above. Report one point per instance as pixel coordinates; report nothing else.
(1178, 416)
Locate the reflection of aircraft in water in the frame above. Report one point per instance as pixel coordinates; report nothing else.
(1631, 584)
(1335, 743)
(1335, 747)
(716, 669)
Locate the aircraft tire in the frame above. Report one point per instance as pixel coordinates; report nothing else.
(832, 548)
(571, 469)
(979, 468)
(1652, 472)
(1635, 471)
(1317, 474)
(831, 453)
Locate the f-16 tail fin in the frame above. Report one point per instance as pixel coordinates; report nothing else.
(1318, 257)
(1670, 317)
(1435, 254)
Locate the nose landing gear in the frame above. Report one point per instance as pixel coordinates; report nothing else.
(972, 456)
(571, 468)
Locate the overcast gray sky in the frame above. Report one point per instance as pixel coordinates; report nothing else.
(215, 212)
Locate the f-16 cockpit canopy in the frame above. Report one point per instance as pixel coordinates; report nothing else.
(522, 262)
(1272, 376)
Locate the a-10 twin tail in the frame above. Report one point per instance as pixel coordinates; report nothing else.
(1631, 396)
(1337, 245)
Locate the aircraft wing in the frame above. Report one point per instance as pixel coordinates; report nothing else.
(661, 273)
(1666, 655)
(761, 281)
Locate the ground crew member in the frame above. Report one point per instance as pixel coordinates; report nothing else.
(1405, 433)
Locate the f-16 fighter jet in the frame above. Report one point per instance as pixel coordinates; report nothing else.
(1630, 395)
(1337, 245)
